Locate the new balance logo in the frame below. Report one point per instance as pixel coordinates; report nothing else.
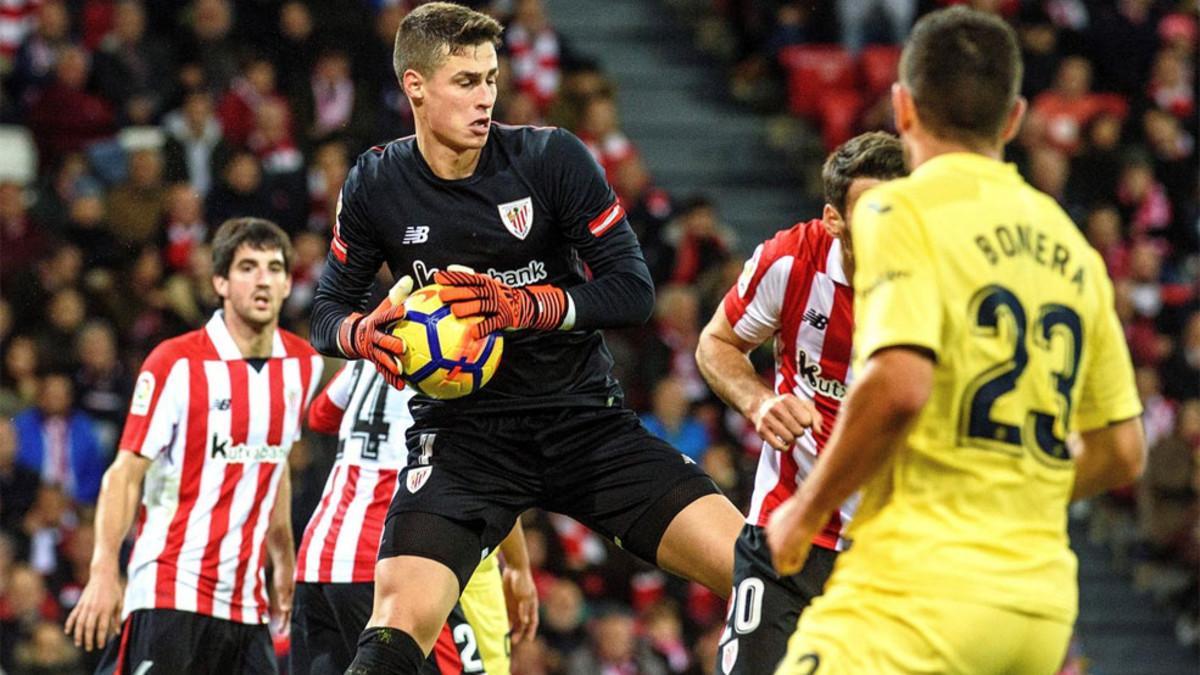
(817, 319)
(221, 404)
(416, 234)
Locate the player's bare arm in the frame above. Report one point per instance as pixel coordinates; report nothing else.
(98, 614)
(894, 387)
(724, 361)
(1108, 457)
(520, 593)
(282, 552)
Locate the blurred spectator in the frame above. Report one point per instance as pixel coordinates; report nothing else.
(720, 461)
(613, 647)
(858, 16)
(248, 92)
(1039, 54)
(1103, 231)
(133, 70)
(67, 176)
(294, 48)
(190, 294)
(702, 244)
(792, 27)
(65, 118)
(1158, 416)
(30, 292)
(670, 419)
(536, 50)
(326, 173)
(1064, 111)
(1172, 85)
(307, 265)
(393, 113)
(47, 652)
(210, 45)
(15, 24)
(20, 382)
(145, 314)
(331, 103)
(59, 441)
(668, 347)
(1123, 38)
(185, 228)
(47, 524)
(35, 61)
(600, 131)
(102, 383)
(24, 606)
(649, 210)
(562, 628)
(240, 192)
(1166, 500)
(74, 568)
(1174, 152)
(18, 484)
(1048, 171)
(135, 207)
(195, 149)
(88, 229)
(64, 316)
(664, 631)
(282, 165)
(705, 652)
(1142, 199)
(1095, 171)
(22, 241)
(1181, 372)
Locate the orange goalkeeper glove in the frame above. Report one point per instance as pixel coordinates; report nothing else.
(501, 306)
(368, 337)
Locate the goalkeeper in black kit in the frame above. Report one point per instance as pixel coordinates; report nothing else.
(529, 209)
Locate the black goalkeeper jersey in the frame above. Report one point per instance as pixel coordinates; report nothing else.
(537, 210)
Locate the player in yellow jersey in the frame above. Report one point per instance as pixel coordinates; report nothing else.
(985, 338)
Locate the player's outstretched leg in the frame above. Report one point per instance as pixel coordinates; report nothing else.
(413, 597)
(699, 543)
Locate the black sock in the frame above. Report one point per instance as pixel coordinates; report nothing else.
(386, 651)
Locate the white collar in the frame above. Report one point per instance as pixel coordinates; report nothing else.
(227, 349)
(834, 263)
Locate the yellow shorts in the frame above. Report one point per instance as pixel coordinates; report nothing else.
(482, 602)
(854, 631)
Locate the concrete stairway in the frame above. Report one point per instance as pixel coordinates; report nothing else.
(672, 106)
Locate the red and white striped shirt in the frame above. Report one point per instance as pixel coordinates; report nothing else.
(342, 538)
(217, 431)
(795, 289)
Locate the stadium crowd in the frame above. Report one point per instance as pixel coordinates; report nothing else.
(135, 127)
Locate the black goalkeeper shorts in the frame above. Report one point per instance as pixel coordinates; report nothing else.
(599, 466)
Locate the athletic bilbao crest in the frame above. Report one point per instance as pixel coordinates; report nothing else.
(517, 216)
(417, 477)
(729, 655)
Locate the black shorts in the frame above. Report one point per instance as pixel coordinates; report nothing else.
(599, 466)
(765, 607)
(327, 620)
(178, 642)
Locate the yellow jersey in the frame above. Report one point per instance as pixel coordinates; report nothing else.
(484, 645)
(965, 259)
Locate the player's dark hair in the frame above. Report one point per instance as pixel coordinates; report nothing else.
(430, 30)
(254, 232)
(963, 68)
(875, 154)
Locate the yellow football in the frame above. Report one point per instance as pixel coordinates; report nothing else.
(440, 358)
